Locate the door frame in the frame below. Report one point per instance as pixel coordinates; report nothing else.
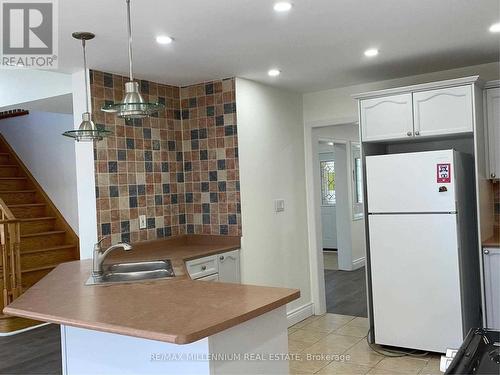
(316, 266)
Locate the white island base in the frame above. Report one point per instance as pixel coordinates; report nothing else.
(257, 346)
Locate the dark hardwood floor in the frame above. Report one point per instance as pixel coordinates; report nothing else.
(35, 352)
(346, 292)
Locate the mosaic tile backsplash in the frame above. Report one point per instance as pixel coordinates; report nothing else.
(210, 149)
(179, 167)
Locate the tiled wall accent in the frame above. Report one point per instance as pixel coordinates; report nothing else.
(138, 168)
(210, 147)
(179, 168)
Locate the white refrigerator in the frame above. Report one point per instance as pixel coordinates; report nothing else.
(423, 249)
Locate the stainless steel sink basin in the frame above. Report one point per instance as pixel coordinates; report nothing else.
(136, 271)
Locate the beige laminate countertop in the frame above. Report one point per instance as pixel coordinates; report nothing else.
(178, 310)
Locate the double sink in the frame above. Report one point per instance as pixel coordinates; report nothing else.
(135, 271)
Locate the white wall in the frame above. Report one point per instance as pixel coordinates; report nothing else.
(24, 85)
(271, 161)
(337, 103)
(85, 172)
(49, 156)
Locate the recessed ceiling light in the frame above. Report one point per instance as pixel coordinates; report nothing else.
(371, 52)
(330, 143)
(282, 6)
(273, 72)
(495, 28)
(164, 39)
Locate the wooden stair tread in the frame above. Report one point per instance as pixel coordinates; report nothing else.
(22, 205)
(43, 233)
(37, 218)
(16, 191)
(47, 240)
(52, 248)
(33, 269)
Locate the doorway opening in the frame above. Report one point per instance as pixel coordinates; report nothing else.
(338, 207)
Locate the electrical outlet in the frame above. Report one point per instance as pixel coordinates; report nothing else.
(142, 221)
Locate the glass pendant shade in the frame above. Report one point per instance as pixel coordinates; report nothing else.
(87, 131)
(133, 105)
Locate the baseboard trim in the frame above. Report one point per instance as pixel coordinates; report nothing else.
(300, 313)
(358, 263)
(5, 334)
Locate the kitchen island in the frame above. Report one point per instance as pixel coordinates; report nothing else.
(176, 325)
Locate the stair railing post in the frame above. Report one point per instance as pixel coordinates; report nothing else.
(5, 264)
(17, 254)
(12, 259)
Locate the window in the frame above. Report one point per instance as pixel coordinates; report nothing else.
(327, 182)
(357, 181)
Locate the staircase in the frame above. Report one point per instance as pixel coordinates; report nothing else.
(45, 238)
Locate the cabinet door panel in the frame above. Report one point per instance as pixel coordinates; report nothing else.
(443, 111)
(493, 117)
(491, 260)
(229, 267)
(389, 117)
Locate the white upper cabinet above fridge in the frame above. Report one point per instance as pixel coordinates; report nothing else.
(388, 117)
(443, 111)
(427, 110)
(493, 137)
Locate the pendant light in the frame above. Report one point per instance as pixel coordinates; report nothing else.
(87, 131)
(132, 105)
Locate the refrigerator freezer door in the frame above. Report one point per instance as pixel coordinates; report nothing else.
(415, 281)
(411, 183)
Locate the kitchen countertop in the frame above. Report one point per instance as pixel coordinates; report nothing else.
(178, 310)
(178, 249)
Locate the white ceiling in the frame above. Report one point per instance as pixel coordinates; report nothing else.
(319, 44)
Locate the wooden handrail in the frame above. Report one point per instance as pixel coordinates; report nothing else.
(10, 257)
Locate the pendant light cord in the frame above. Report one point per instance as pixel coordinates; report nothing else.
(86, 78)
(129, 41)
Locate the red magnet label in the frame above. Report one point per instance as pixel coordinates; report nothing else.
(444, 173)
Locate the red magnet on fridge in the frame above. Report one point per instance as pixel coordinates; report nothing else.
(444, 173)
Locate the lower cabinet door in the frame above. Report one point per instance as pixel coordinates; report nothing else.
(491, 261)
(229, 267)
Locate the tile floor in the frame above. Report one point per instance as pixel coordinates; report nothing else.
(336, 344)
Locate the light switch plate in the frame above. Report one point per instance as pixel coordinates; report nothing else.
(142, 221)
(279, 205)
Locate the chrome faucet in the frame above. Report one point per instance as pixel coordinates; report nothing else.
(100, 255)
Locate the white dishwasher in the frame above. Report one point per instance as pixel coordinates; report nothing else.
(491, 261)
